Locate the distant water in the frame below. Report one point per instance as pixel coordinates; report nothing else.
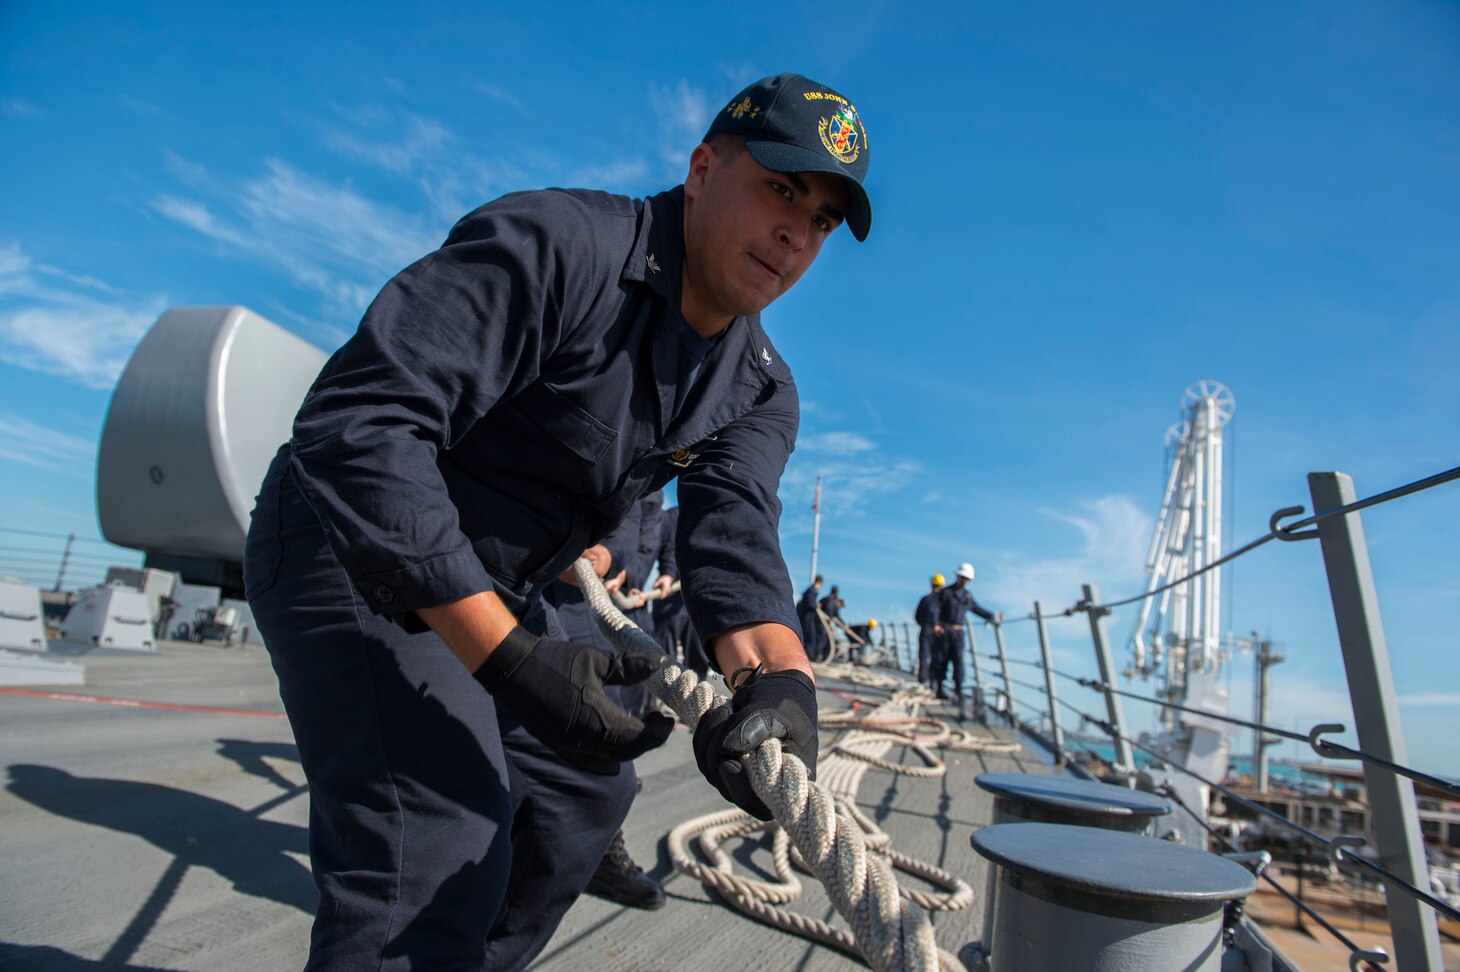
(1240, 766)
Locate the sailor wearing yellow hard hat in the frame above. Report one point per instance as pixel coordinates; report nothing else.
(926, 616)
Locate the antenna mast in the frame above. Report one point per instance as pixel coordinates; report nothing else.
(815, 529)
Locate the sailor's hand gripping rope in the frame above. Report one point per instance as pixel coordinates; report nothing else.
(892, 932)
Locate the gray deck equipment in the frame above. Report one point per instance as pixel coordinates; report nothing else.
(1033, 798)
(23, 627)
(206, 400)
(22, 622)
(1082, 897)
(110, 617)
(154, 585)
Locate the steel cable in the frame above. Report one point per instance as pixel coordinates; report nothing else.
(1343, 939)
(1095, 686)
(1323, 747)
(1286, 532)
(1338, 851)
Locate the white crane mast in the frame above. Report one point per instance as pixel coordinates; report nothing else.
(1178, 632)
(1177, 636)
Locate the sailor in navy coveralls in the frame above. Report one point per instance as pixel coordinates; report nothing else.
(953, 605)
(811, 625)
(926, 616)
(505, 403)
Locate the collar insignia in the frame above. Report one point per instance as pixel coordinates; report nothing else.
(653, 263)
(765, 355)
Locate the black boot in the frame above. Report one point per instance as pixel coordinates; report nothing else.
(620, 880)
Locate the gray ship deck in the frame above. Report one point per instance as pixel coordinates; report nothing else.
(174, 838)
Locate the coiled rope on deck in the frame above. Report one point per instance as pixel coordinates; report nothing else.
(843, 765)
(891, 931)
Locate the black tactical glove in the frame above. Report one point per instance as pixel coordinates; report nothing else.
(782, 704)
(555, 689)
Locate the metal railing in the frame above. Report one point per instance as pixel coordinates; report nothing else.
(68, 561)
(1394, 810)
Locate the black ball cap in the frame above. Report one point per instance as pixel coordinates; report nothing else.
(792, 124)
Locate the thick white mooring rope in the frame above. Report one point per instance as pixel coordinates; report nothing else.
(890, 928)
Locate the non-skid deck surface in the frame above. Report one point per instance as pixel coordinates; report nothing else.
(169, 838)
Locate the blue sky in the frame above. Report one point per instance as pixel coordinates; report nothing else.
(1078, 212)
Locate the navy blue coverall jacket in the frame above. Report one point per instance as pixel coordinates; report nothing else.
(509, 397)
(926, 614)
(954, 604)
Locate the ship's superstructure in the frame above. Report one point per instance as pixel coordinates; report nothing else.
(1177, 638)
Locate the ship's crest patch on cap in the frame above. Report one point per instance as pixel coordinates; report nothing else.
(840, 134)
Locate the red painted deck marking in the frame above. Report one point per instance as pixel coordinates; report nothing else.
(136, 703)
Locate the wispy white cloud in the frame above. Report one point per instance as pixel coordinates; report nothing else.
(1113, 534)
(835, 443)
(86, 341)
(684, 114)
(19, 108)
(416, 139)
(328, 238)
(196, 216)
(447, 170)
(502, 95)
(23, 441)
(80, 280)
(49, 327)
(139, 107)
(855, 473)
(624, 174)
(13, 265)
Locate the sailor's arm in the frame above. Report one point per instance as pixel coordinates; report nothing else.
(472, 627)
(983, 612)
(739, 596)
(774, 647)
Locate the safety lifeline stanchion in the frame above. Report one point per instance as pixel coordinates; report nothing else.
(1049, 690)
(1004, 672)
(892, 932)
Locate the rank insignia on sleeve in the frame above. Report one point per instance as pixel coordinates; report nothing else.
(840, 135)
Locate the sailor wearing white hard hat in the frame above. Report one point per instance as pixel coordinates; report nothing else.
(953, 605)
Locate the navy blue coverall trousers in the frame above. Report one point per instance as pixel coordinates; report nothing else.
(953, 607)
